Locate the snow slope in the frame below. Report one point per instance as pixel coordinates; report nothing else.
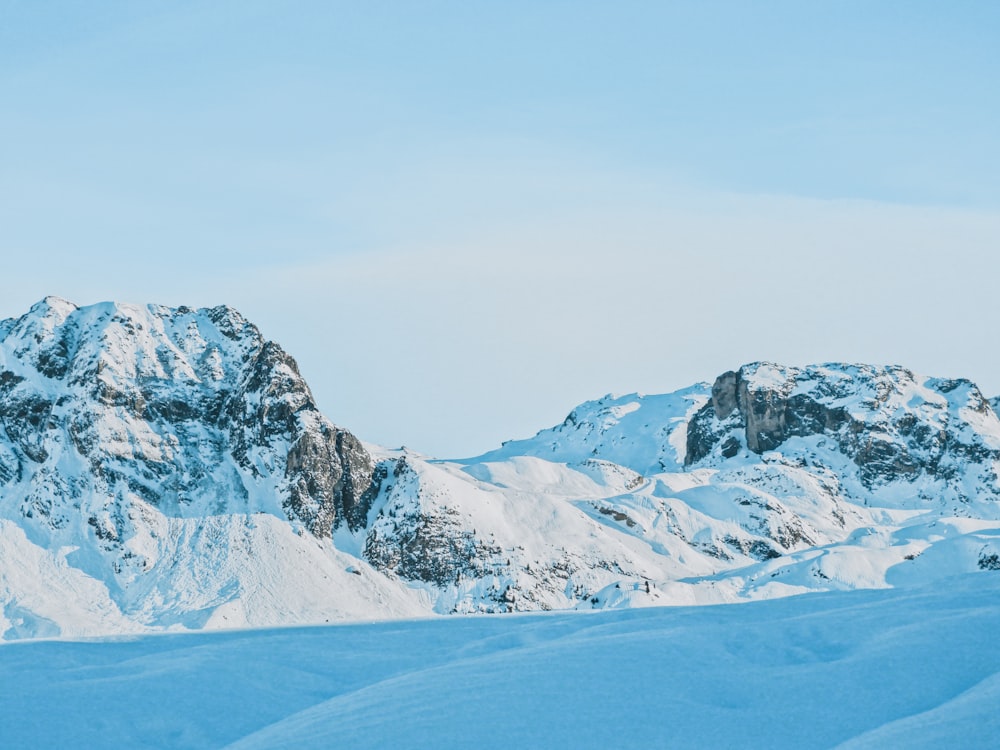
(167, 468)
(914, 668)
(773, 481)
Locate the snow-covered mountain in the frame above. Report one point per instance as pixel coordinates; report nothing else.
(168, 468)
(772, 481)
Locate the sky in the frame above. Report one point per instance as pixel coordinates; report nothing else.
(464, 218)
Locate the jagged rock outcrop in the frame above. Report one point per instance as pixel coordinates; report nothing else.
(892, 427)
(188, 411)
(423, 544)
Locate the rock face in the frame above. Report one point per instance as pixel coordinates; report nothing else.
(421, 545)
(107, 408)
(892, 427)
(484, 545)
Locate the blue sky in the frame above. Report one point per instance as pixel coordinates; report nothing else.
(464, 218)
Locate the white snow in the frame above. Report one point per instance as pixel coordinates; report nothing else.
(914, 668)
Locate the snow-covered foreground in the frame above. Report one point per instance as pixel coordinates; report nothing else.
(915, 667)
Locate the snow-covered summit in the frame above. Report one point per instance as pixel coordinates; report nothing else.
(647, 433)
(186, 410)
(124, 427)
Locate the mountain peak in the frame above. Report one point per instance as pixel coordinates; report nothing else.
(52, 310)
(184, 409)
(54, 302)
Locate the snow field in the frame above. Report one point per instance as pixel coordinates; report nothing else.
(914, 668)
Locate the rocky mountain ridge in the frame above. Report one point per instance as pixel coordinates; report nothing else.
(168, 468)
(893, 426)
(142, 396)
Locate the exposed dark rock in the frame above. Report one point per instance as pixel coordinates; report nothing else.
(705, 432)
(764, 414)
(329, 474)
(724, 392)
(886, 445)
(730, 447)
(160, 419)
(755, 548)
(989, 561)
(433, 548)
(617, 515)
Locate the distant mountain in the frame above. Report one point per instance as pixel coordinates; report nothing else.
(168, 468)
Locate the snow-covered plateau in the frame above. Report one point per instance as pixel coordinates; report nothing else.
(166, 469)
